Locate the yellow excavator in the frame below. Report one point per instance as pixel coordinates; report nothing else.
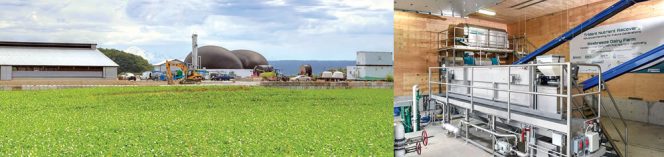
(190, 76)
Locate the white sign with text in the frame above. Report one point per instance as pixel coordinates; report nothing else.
(613, 44)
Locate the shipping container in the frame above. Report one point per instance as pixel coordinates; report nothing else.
(374, 58)
(351, 73)
(368, 72)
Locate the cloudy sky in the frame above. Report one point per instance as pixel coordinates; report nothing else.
(161, 29)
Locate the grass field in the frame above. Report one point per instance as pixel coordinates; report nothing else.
(196, 121)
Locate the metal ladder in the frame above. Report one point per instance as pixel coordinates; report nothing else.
(588, 111)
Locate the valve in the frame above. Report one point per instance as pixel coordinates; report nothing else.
(425, 137)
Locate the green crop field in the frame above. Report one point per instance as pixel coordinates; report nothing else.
(196, 121)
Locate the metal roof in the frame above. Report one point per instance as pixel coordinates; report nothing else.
(46, 44)
(52, 56)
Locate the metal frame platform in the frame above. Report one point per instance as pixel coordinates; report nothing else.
(470, 48)
(560, 123)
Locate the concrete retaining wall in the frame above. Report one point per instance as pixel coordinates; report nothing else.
(636, 110)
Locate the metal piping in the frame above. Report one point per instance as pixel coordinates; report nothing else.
(590, 23)
(478, 145)
(518, 153)
(547, 151)
(451, 128)
(516, 139)
(492, 132)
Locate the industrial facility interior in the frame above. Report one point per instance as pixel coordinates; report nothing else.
(529, 78)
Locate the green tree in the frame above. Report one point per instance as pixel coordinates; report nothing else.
(128, 62)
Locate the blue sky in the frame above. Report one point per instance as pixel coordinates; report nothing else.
(161, 29)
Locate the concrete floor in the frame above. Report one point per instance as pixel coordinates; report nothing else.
(645, 140)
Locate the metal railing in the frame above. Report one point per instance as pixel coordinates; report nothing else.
(473, 38)
(614, 104)
(467, 38)
(594, 110)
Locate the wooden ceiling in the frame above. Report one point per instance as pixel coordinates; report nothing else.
(459, 8)
(510, 11)
(507, 11)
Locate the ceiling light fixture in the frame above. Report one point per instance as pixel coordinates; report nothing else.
(487, 12)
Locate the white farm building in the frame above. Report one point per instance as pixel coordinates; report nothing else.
(39, 60)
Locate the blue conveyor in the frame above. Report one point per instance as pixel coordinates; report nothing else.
(636, 62)
(590, 23)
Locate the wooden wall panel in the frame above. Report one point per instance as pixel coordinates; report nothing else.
(543, 29)
(415, 46)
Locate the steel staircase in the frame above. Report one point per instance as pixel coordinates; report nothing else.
(589, 110)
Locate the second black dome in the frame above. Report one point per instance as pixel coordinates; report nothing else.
(215, 57)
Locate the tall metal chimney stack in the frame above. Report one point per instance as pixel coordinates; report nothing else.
(194, 51)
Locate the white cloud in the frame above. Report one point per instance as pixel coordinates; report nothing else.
(140, 52)
(276, 2)
(345, 22)
(368, 4)
(5, 24)
(279, 29)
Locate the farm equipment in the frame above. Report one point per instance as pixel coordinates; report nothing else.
(269, 73)
(189, 76)
(259, 69)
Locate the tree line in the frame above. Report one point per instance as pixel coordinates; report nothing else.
(127, 62)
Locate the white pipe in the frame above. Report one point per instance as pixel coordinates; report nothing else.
(492, 132)
(399, 139)
(451, 128)
(414, 109)
(519, 153)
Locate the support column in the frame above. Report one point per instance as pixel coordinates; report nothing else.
(5, 73)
